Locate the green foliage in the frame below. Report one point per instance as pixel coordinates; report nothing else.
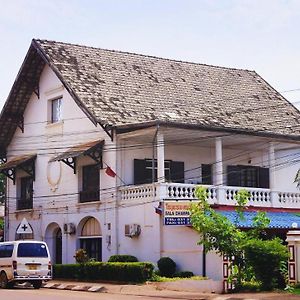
(1, 224)
(166, 266)
(184, 274)
(123, 258)
(266, 258)
(124, 272)
(81, 256)
(254, 259)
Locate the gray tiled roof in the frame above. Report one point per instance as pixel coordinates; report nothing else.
(121, 88)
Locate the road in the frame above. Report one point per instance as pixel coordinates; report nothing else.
(48, 294)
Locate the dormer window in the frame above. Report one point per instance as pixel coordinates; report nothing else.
(56, 110)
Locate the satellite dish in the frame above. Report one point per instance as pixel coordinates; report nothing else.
(294, 225)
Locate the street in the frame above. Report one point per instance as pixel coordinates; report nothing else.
(48, 294)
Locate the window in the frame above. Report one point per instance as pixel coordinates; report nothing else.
(32, 250)
(174, 171)
(91, 239)
(26, 199)
(6, 250)
(56, 110)
(248, 176)
(90, 184)
(206, 174)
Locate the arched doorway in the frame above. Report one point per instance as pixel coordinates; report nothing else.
(53, 238)
(58, 246)
(91, 239)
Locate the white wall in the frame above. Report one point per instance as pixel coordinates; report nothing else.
(59, 202)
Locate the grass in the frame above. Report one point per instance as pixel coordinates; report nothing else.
(157, 278)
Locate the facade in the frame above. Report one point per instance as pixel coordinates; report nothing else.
(103, 150)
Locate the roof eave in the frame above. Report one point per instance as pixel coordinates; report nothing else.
(136, 126)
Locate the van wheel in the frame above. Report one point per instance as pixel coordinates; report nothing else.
(37, 284)
(3, 280)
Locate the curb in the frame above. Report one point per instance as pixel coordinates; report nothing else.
(74, 287)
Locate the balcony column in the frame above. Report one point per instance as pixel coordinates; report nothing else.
(219, 182)
(160, 148)
(219, 162)
(273, 193)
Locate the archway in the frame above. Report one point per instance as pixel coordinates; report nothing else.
(90, 238)
(53, 238)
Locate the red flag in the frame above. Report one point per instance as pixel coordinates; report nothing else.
(110, 172)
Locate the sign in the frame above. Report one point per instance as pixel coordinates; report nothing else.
(24, 227)
(177, 213)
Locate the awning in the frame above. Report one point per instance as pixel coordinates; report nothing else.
(24, 162)
(284, 220)
(92, 149)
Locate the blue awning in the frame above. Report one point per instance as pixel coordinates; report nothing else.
(285, 220)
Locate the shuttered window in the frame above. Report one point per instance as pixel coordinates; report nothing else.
(143, 169)
(206, 174)
(248, 176)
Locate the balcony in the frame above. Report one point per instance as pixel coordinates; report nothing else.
(24, 204)
(89, 196)
(221, 195)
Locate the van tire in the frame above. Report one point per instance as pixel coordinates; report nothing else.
(37, 284)
(3, 281)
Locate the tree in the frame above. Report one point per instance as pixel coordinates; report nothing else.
(221, 235)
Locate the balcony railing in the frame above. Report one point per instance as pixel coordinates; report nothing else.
(222, 195)
(89, 196)
(24, 204)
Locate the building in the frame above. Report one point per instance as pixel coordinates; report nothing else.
(103, 148)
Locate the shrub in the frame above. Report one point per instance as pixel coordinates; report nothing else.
(122, 258)
(70, 271)
(81, 256)
(111, 271)
(266, 258)
(166, 266)
(184, 274)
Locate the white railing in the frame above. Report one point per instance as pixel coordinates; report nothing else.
(137, 192)
(289, 199)
(222, 195)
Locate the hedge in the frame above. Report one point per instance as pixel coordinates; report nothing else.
(122, 258)
(110, 271)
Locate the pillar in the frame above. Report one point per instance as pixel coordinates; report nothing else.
(160, 147)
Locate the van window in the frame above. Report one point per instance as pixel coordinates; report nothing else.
(32, 250)
(6, 250)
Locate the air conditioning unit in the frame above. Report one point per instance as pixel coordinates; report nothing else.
(132, 230)
(69, 228)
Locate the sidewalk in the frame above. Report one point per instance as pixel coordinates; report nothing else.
(152, 291)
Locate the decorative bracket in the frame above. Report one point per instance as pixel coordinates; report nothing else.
(21, 124)
(71, 162)
(3, 160)
(95, 153)
(29, 168)
(37, 91)
(10, 173)
(108, 129)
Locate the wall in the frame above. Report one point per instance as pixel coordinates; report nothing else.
(56, 186)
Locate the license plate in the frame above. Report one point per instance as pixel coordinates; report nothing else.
(32, 267)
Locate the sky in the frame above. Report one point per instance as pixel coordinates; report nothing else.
(260, 35)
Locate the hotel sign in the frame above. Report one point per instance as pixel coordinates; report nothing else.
(177, 212)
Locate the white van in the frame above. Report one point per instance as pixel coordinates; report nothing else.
(24, 261)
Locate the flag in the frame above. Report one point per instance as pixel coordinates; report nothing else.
(109, 171)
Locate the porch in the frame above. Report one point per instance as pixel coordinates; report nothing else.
(219, 195)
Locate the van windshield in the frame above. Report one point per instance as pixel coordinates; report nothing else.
(32, 250)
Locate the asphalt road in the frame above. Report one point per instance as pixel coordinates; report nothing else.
(48, 294)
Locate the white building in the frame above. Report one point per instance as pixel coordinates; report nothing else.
(82, 128)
